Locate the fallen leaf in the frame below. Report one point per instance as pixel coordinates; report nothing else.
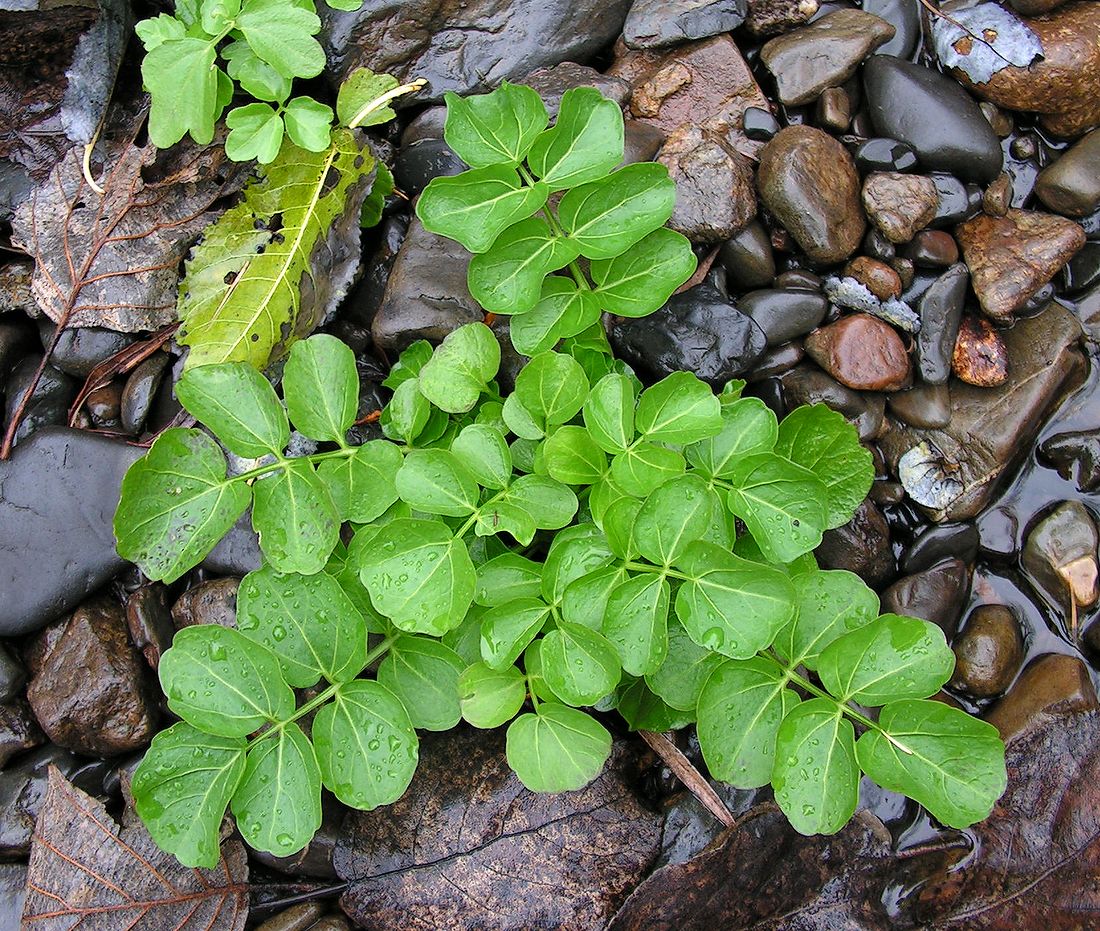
(87, 871)
(469, 847)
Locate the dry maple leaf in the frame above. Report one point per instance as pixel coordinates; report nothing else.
(87, 872)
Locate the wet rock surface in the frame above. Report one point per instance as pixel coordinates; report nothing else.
(861, 546)
(980, 357)
(1053, 683)
(657, 23)
(861, 352)
(1071, 184)
(988, 652)
(898, 204)
(213, 602)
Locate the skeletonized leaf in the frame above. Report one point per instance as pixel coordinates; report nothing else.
(982, 40)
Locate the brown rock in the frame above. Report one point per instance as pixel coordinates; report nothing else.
(898, 204)
(980, 357)
(150, 621)
(1071, 184)
(769, 17)
(1035, 7)
(92, 693)
(988, 652)
(932, 249)
(1012, 257)
(997, 198)
(705, 84)
(936, 595)
(878, 277)
(834, 109)
(862, 352)
(212, 602)
(808, 181)
(1063, 86)
(1051, 684)
(715, 197)
(861, 546)
(823, 54)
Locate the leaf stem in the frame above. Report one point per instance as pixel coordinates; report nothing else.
(282, 461)
(379, 102)
(658, 570)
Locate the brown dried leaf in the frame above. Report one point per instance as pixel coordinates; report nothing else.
(469, 847)
(112, 260)
(85, 870)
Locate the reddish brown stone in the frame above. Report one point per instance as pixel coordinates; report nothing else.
(1051, 684)
(1012, 257)
(878, 277)
(862, 352)
(705, 84)
(980, 357)
(899, 204)
(1064, 85)
(997, 198)
(932, 249)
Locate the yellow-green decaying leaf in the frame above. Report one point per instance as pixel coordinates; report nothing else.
(268, 270)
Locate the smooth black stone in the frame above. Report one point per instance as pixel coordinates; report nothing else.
(904, 17)
(420, 161)
(1076, 455)
(1082, 272)
(884, 155)
(940, 311)
(923, 279)
(81, 349)
(784, 314)
(15, 342)
(428, 124)
(49, 404)
(807, 384)
(938, 543)
(759, 124)
(697, 331)
(748, 259)
(932, 113)
(57, 543)
(936, 594)
(22, 789)
(1091, 225)
(958, 201)
(12, 675)
(877, 246)
(238, 552)
(141, 387)
(641, 142)
(366, 297)
(799, 279)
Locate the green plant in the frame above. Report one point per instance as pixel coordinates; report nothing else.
(500, 210)
(572, 545)
(265, 45)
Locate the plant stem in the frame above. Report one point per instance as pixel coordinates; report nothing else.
(379, 102)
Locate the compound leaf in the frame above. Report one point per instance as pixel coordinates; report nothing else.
(460, 368)
(507, 279)
(491, 697)
(362, 484)
(435, 481)
(579, 664)
(678, 409)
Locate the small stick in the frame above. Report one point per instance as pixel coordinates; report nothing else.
(689, 776)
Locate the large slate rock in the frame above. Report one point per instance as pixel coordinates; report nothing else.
(58, 495)
(467, 46)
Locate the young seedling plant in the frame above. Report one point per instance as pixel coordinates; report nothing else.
(534, 558)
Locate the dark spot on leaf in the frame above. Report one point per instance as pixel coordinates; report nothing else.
(278, 239)
(358, 161)
(332, 180)
(230, 277)
(255, 337)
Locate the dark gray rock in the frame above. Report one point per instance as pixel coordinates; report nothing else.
(49, 404)
(426, 295)
(1076, 455)
(58, 495)
(940, 311)
(935, 543)
(697, 331)
(238, 552)
(22, 788)
(13, 878)
(12, 674)
(149, 620)
(922, 406)
(81, 349)
(958, 201)
(885, 155)
(467, 46)
(784, 314)
(658, 23)
(934, 115)
(641, 142)
(1083, 270)
(759, 124)
(748, 258)
(904, 17)
(807, 384)
(16, 340)
(140, 389)
(861, 546)
(420, 161)
(936, 594)
(552, 83)
(18, 730)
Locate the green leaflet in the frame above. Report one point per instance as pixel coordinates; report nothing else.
(295, 518)
(423, 675)
(242, 297)
(490, 697)
(508, 278)
(494, 129)
(584, 144)
(557, 749)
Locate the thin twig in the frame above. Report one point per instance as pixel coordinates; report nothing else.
(700, 272)
(689, 776)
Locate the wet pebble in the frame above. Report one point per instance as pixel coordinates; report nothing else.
(940, 310)
(19, 731)
(104, 405)
(988, 652)
(936, 594)
(823, 54)
(715, 196)
(1060, 554)
(49, 403)
(861, 352)
(776, 361)
(420, 161)
(997, 198)
(81, 349)
(833, 111)
(861, 546)
(808, 181)
(1071, 184)
(296, 918)
(783, 314)
(12, 674)
(1083, 271)
(92, 694)
(22, 788)
(149, 620)
(878, 277)
(799, 279)
(932, 249)
(140, 390)
(957, 201)
(980, 357)
(885, 155)
(807, 384)
(641, 142)
(922, 406)
(905, 19)
(939, 541)
(211, 602)
(759, 124)
(747, 258)
(1076, 454)
(1050, 684)
(898, 204)
(657, 23)
(768, 17)
(1012, 257)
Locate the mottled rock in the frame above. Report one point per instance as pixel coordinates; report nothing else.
(808, 181)
(898, 204)
(705, 84)
(15, 288)
(997, 198)
(940, 311)
(861, 546)
(939, 542)
(469, 46)
(58, 495)
(990, 430)
(988, 652)
(823, 54)
(877, 277)
(748, 258)
(1060, 555)
(979, 357)
(141, 387)
(1063, 86)
(1071, 184)
(1051, 684)
(768, 17)
(658, 23)
(149, 620)
(426, 295)
(715, 196)
(1012, 257)
(934, 115)
(211, 602)
(92, 694)
(936, 594)
(922, 406)
(784, 314)
(862, 352)
(696, 331)
(104, 405)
